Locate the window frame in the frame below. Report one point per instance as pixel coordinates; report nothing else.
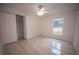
(62, 18)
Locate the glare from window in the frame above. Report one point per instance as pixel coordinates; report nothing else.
(56, 47)
(55, 51)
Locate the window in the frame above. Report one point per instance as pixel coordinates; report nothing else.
(58, 25)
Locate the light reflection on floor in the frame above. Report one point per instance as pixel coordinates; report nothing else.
(40, 46)
(56, 47)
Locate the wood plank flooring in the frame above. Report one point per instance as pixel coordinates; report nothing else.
(39, 46)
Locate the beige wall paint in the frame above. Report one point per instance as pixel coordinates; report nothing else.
(69, 18)
(8, 27)
(32, 26)
(76, 35)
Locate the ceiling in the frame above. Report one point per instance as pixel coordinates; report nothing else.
(31, 8)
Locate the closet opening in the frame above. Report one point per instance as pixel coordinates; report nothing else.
(20, 27)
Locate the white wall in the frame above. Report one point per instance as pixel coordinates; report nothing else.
(0, 45)
(76, 34)
(0, 41)
(69, 18)
(32, 26)
(8, 22)
(8, 27)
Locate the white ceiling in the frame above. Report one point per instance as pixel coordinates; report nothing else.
(31, 8)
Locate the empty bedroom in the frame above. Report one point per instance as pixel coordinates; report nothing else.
(39, 28)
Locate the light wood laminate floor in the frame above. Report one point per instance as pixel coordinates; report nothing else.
(40, 46)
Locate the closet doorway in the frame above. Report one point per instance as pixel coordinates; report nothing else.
(20, 27)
